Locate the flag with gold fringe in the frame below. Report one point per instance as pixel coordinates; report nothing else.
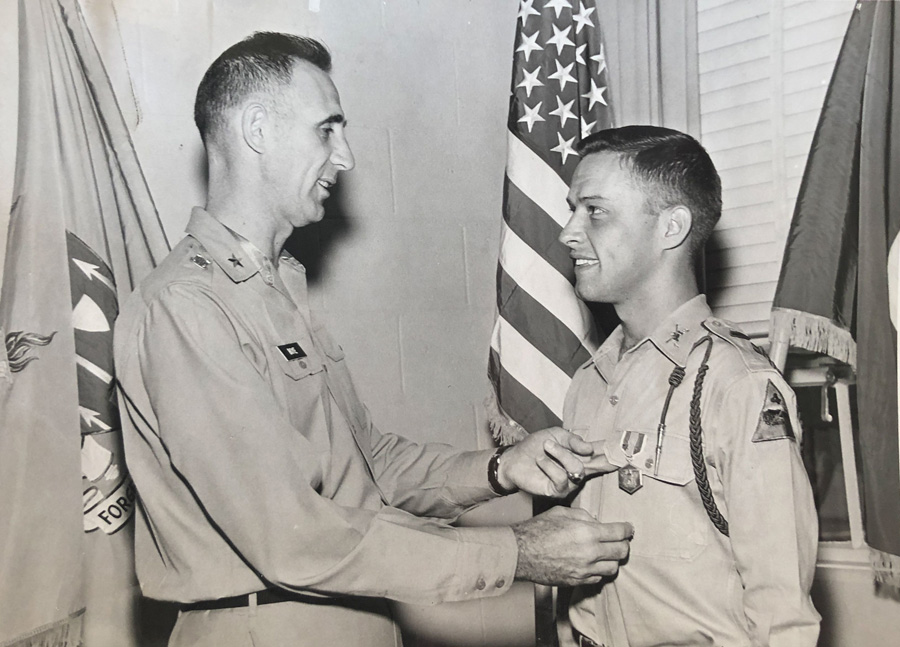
(83, 230)
(838, 289)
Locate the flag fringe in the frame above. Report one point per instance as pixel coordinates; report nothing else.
(62, 633)
(887, 572)
(504, 430)
(813, 332)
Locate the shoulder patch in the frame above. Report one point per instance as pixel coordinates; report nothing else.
(774, 420)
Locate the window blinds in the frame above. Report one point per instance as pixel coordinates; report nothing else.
(764, 70)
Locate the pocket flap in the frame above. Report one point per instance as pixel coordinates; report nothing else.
(297, 362)
(638, 448)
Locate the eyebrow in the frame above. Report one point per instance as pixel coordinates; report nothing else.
(582, 198)
(334, 119)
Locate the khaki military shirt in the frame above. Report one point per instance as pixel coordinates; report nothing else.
(686, 583)
(256, 463)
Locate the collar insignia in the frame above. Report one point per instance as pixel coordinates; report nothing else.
(675, 335)
(236, 261)
(200, 261)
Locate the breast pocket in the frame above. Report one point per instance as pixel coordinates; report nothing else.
(295, 361)
(668, 513)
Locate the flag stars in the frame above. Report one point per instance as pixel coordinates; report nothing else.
(579, 54)
(560, 38)
(530, 80)
(532, 115)
(595, 95)
(558, 6)
(526, 9)
(562, 75)
(600, 59)
(563, 111)
(529, 44)
(586, 127)
(564, 148)
(583, 18)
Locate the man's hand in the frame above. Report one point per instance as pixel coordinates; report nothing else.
(568, 547)
(551, 462)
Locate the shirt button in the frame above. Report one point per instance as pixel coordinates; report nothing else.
(480, 584)
(501, 583)
(614, 400)
(302, 364)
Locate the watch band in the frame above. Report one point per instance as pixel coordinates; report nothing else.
(494, 472)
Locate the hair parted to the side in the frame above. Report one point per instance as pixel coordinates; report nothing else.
(259, 63)
(672, 167)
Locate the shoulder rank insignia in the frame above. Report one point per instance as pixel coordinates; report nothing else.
(200, 261)
(774, 420)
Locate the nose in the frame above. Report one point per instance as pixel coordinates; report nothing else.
(572, 233)
(341, 155)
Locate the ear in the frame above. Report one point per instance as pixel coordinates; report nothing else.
(254, 122)
(676, 222)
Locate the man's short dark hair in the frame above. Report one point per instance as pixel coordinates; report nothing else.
(259, 63)
(672, 167)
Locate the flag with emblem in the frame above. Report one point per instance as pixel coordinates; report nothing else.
(543, 331)
(83, 230)
(838, 291)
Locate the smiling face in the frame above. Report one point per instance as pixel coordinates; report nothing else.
(611, 235)
(307, 148)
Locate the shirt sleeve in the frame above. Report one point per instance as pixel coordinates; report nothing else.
(772, 519)
(255, 475)
(426, 479)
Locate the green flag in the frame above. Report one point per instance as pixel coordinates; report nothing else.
(83, 230)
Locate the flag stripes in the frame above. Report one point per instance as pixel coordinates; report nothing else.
(535, 414)
(540, 182)
(540, 326)
(540, 233)
(543, 331)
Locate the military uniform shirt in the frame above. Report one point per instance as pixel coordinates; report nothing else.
(685, 583)
(255, 462)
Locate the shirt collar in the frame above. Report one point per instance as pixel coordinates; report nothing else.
(236, 255)
(674, 337)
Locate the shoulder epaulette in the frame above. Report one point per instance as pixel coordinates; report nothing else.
(753, 356)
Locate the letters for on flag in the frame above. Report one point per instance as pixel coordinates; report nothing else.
(83, 230)
(837, 293)
(543, 331)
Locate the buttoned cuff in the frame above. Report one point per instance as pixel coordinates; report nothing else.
(486, 561)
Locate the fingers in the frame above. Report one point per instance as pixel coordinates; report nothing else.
(598, 464)
(559, 479)
(567, 460)
(615, 531)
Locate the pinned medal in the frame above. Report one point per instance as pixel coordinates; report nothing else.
(630, 479)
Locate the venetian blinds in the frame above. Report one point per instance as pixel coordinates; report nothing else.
(764, 70)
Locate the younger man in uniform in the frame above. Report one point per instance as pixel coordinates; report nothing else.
(703, 428)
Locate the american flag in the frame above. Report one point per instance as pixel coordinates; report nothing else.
(559, 96)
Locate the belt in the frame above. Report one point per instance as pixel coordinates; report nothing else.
(268, 596)
(583, 641)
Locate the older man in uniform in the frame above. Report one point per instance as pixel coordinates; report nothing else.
(271, 508)
(703, 428)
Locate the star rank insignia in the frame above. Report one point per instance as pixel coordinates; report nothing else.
(774, 420)
(235, 261)
(675, 335)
